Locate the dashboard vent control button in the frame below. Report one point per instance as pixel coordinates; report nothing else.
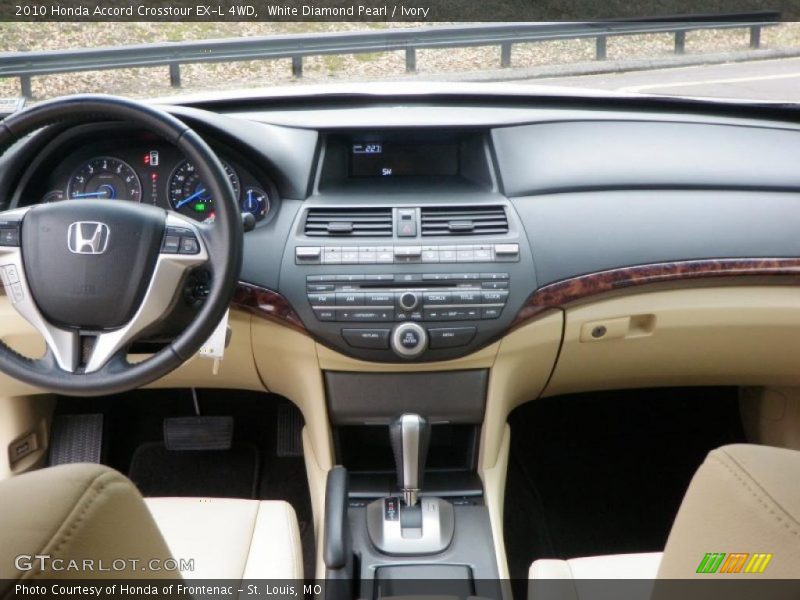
(349, 222)
(463, 220)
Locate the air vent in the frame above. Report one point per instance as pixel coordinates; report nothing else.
(349, 222)
(464, 220)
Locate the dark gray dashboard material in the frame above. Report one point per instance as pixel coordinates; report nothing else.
(579, 233)
(586, 155)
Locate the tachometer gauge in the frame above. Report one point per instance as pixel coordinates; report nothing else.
(188, 194)
(53, 196)
(256, 202)
(105, 178)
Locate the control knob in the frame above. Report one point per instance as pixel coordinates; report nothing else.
(408, 300)
(409, 340)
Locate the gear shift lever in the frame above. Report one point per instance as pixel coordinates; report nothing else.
(415, 526)
(410, 436)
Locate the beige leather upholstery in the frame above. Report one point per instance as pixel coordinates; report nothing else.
(81, 512)
(744, 499)
(231, 539)
(91, 522)
(612, 566)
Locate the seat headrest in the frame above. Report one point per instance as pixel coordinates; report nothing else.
(76, 513)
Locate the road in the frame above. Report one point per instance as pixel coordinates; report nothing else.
(771, 80)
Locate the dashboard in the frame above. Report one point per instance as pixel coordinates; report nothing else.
(416, 229)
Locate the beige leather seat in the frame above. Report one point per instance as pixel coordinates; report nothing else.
(744, 499)
(85, 518)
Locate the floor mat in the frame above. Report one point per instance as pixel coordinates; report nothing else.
(232, 473)
(604, 473)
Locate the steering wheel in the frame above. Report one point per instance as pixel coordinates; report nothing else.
(92, 276)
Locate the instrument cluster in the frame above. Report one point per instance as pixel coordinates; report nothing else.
(154, 173)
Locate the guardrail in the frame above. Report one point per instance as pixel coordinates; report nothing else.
(296, 47)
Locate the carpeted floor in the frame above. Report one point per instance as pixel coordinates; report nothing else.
(605, 472)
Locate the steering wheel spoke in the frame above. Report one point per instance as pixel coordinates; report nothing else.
(182, 249)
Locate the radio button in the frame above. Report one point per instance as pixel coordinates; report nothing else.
(494, 276)
(367, 338)
(320, 287)
(378, 299)
(451, 337)
(350, 299)
(491, 312)
(495, 285)
(366, 315)
(466, 298)
(325, 314)
(436, 298)
(494, 297)
(322, 299)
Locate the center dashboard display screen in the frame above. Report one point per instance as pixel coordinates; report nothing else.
(382, 158)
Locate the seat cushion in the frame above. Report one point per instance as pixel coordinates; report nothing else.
(612, 566)
(230, 538)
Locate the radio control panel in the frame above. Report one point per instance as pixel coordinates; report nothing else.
(370, 288)
(387, 298)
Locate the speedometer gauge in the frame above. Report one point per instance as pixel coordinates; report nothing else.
(105, 178)
(188, 194)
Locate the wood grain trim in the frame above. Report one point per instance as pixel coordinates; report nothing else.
(561, 293)
(266, 304)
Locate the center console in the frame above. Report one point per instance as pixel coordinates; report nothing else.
(410, 544)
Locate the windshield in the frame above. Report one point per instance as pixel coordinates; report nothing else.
(756, 58)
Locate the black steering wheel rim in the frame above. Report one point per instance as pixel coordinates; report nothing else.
(223, 241)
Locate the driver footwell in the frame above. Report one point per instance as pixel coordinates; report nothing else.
(263, 461)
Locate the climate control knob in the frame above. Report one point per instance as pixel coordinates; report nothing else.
(408, 300)
(409, 340)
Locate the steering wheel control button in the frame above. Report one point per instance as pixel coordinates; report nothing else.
(408, 300)
(451, 337)
(409, 340)
(11, 274)
(189, 245)
(17, 295)
(9, 235)
(373, 339)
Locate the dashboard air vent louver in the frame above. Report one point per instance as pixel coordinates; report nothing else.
(464, 220)
(344, 222)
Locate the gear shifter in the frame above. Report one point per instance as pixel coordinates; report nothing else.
(410, 435)
(416, 525)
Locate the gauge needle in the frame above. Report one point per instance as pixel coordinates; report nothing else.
(199, 192)
(89, 194)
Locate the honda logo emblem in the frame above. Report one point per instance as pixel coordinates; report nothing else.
(87, 237)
